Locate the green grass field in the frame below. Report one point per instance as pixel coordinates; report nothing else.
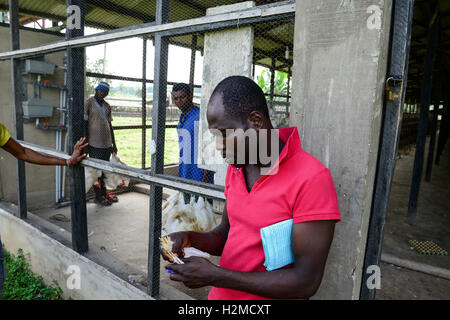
(129, 142)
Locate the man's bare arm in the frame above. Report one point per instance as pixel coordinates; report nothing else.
(28, 155)
(211, 242)
(113, 138)
(311, 242)
(214, 240)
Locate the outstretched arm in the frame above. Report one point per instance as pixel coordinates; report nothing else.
(28, 155)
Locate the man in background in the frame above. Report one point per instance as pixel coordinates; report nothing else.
(100, 136)
(187, 128)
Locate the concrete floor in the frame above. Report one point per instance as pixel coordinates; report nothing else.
(432, 223)
(122, 231)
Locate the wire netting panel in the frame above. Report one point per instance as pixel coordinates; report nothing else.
(112, 102)
(119, 79)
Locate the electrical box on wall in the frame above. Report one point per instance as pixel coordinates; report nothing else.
(38, 67)
(37, 108)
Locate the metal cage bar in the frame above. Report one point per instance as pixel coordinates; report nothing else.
(158, 135)
(160, 30)
(75, 104)
(17, 87)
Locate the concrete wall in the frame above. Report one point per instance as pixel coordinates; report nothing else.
(340, 53)
(54, 261)
(40, 179)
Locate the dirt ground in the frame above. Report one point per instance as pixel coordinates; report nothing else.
(432, 223)
(399, 283)
(122, 231)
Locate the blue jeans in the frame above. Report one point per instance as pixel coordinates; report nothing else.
(2, 269)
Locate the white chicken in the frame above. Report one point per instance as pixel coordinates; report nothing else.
(112, 180)
(91, 176)
(194, 216)
(204, 214)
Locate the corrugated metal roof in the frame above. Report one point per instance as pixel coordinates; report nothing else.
(422, 15)
(270, 38)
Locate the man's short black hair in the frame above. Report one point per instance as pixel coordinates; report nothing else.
(241, 96)
(180, 86)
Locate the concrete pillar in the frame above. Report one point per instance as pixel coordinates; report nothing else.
(226, 53)
(340, 55)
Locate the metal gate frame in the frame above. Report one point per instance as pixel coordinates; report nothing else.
(390, 136)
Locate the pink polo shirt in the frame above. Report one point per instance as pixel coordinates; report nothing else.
(301, 190)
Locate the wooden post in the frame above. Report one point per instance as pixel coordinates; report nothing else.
(425, 97)
(75, 103)
(158, 134)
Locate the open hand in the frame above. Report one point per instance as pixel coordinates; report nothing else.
(77, 154)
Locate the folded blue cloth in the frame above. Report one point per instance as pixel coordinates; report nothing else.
(276, 241)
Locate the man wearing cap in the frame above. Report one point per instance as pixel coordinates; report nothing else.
(100, 136)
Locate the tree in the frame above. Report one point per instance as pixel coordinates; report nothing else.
(95, 67)
(280, 82)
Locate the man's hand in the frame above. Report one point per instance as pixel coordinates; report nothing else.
(180, 241)
(194, 273)
(77, 154)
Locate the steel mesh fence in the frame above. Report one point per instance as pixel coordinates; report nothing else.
(119, 83)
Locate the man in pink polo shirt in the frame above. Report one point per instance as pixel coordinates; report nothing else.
(297, 186)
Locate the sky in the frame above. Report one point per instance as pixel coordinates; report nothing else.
(124, 58)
